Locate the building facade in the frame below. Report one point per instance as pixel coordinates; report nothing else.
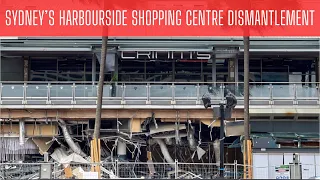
(155, 86)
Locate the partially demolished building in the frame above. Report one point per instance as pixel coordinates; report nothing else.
(153, 111)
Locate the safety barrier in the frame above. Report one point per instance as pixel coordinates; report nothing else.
(142, 170)
(59, 93)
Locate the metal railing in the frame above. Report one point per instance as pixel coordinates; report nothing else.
(143, 170)
(155, 93)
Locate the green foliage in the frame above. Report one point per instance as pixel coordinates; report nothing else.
(114, 78)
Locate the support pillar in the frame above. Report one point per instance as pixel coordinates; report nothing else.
(310, 74)
(317, 69)
(202, 76)
(26, 68)
(94, 68)
(231, 70)
(214, 67)
(122, 150)
(236, 70)
(231, 74)
(173, 71)
(145, 70)
(22, 132)
(115, 73)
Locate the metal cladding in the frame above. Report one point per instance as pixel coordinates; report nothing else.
(12, 150)
(216, 147)
(191, 140)
(69, 139)
(21, 132)
(122, 150)
(165, 151)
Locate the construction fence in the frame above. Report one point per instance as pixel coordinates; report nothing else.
(143, 170)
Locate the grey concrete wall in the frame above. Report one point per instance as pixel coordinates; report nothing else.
(11, 69)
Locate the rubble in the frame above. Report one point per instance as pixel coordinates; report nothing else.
(121, 152)
(12, 150)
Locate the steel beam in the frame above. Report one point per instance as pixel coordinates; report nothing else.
(80, 114)
(45, 49)
(282, 50)
(166, 49)
(286, 150)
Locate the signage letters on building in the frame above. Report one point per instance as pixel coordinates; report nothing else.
(165, 55)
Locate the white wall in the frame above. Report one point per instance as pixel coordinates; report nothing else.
(265, 163)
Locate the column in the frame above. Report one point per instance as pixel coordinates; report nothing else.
(261, 70)
(173, 70)
(231, 70)
(236, 74)
(115, 73)
(303, 77)
(318, 77)
(317, 70)
(309, 74)
(231, 74)
(236, 70)
(26, 68)
(94, 68)
(145, 70)
(201, 72)
(122, 150)
(214, 67)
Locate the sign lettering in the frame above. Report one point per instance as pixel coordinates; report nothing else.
(165, 55)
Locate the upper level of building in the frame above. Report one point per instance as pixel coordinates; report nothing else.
(154, 95)
(165, 59)
(161, 73)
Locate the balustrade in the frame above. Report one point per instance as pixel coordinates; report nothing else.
(154, 93)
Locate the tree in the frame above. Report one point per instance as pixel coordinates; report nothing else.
(95, 143)
(97, 122)
(246, 42)
(251, 5)
(106, 4)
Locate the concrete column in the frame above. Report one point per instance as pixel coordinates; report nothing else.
(303, 77)
(231, 70)
(173, 71)
(214, 68)
(145, 70)
(318, 65)
(115, 73)
(122, 150)
(236, 70)
(261, 70)
(93, 70)
(201, 72)
(317, 69)
(22, 132)
(116, 66)
(231, 74)
(26, 68)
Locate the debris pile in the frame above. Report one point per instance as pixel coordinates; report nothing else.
(151, 153)
(12, 150)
